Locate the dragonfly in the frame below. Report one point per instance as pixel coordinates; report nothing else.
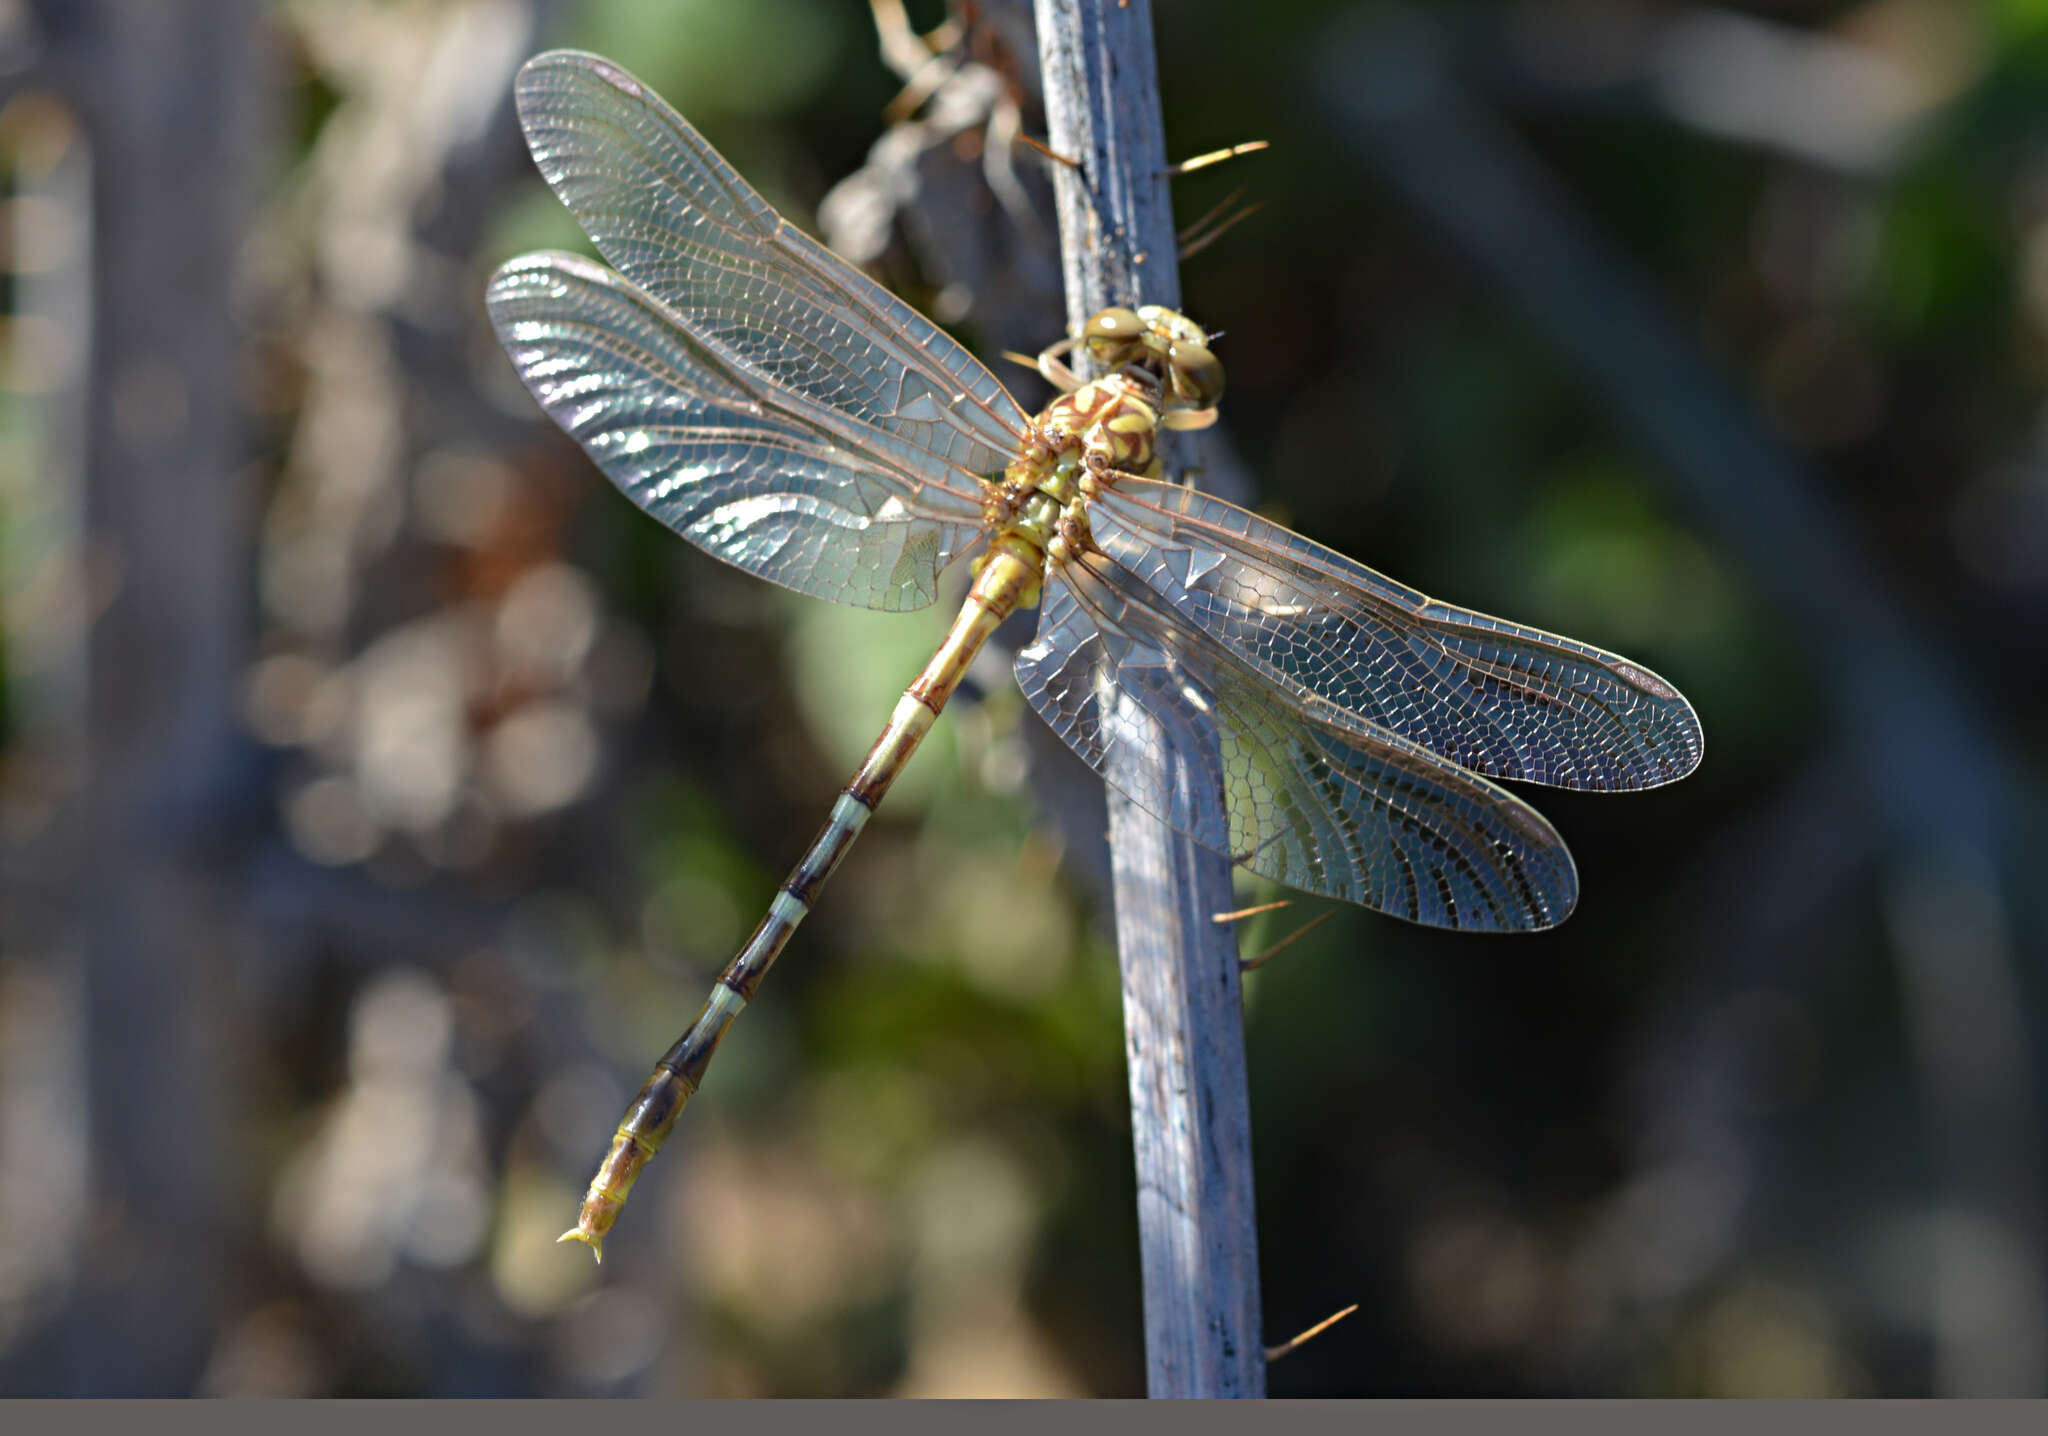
(1333, 729)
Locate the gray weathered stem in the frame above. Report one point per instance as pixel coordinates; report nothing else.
(1183, 1022)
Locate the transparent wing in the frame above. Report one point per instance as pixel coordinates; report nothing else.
(792, 492)
(1290, 785)
(1489, 695)
(677, 220)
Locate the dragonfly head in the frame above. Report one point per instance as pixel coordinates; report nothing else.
(1168, 344)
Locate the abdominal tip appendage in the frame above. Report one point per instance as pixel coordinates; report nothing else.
(594, 1242)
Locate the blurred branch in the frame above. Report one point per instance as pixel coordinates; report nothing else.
(1942, 787)
(1833, 102)
(1183, 1021)
(949, 182)
(1700, 1071)
(173, 112)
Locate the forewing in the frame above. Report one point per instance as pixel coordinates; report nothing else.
(1489, 695)
(1291, 786)
(677, 220)
(827, 507)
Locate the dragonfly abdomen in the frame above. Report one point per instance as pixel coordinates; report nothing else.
(1009, 575)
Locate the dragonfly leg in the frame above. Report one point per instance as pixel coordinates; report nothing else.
(1056, 371)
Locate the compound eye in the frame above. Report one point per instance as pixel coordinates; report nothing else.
(1197, 376)
(1113, 325)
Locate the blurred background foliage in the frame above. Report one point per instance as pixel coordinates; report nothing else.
(378, 790)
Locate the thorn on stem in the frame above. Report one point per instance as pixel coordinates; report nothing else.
(1253, 964)
(1048, 151)
(1274, 1353)
(1244, 912)
(1213, 157)
(1209, 228)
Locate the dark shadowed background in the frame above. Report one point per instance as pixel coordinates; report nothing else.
(379, 790)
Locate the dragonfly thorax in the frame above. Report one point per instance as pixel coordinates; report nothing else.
(1083, 440)
(1114, 423)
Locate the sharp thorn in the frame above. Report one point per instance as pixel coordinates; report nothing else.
(1274, 1353)
(1214, 157)
(1245, 912)
(1192, 247)
(1253, 964)
(1049, 152)
(1212, 214)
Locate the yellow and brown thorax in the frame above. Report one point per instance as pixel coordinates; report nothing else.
(1156, 369)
